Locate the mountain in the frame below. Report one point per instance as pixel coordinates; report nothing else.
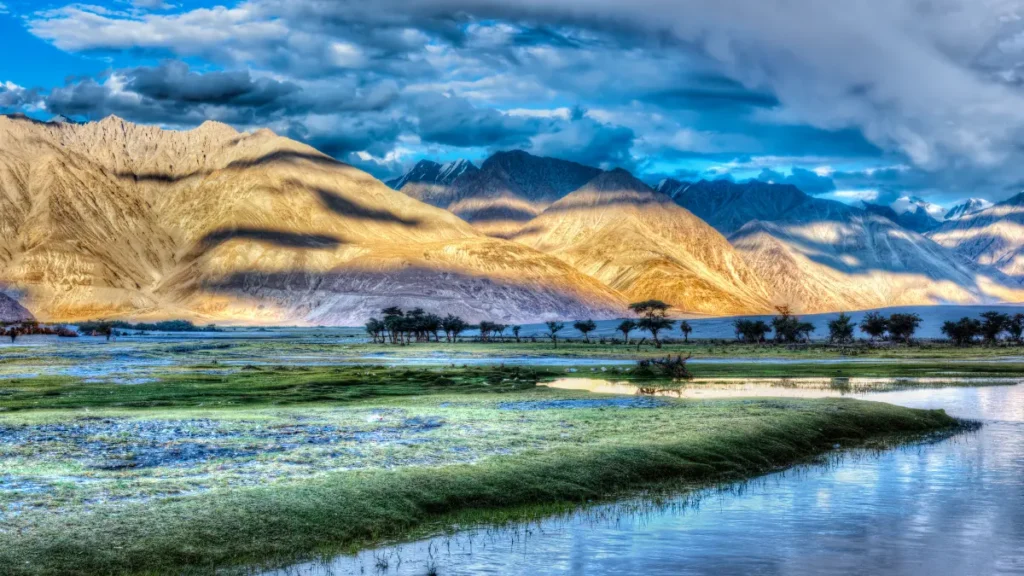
(993, 236)
(820, 255)
(917, 218)
(639, 242)
(966, 208)
(509, 189)
(114, 219)
(11, 312)
(671, 187)
(428, 179)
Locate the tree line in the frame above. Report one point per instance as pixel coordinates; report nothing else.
(967, 331)
(788, 328)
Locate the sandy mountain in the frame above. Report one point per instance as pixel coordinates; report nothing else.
(112, 218)
(994, 236)
(618, 230)
(509, 189)
(820, 255)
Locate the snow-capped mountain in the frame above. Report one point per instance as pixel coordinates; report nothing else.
(966, 208)
(819, 255)
(429, 172)
(908, 204)
(993, 236)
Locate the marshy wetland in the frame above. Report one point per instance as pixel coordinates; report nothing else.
(257, 451)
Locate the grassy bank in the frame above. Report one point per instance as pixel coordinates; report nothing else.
(285, 483)
(256, 386)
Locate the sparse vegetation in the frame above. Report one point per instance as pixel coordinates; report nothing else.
(840, 330)
(653, 318)
(585, 327)
(751, 331)
(789, 328)
(553, 329)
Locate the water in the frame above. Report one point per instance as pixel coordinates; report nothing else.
(951, 507)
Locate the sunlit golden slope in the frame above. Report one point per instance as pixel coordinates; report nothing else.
(116, 219)
(639, 242)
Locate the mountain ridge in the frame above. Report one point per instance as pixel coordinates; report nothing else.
(110, 219)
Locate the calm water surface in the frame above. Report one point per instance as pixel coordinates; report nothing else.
(951, 507)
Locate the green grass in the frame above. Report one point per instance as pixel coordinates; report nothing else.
(259, 386)
(532, 457)
(699, 348)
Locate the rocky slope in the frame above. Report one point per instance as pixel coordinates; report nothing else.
(994, 236)
(11, 312)
(819, 255)
(429, 181)
(116, 219)
(509, 189)
(619, 231)
(966, 208)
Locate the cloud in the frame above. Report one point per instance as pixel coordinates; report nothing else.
(935, 86)
(587, 141)
(455, 121)
(14, 97)
(806, 180)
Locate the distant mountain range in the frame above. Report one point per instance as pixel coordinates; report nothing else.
(114, 219)
(510, 188)
(993, 236)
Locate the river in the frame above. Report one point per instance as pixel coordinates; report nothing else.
(949, 507)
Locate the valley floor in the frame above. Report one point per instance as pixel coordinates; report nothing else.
(207, 469)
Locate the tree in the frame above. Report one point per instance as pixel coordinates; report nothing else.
(553, 329)
(515, 332)
(1015, 328)
(874, 325)
(751, 331)
(840, 330)
(626, 327)
(14, 333)
(585, 327)
(994, 324)
(432, 324)
(393, 322)
(653, 317)
(375, 328)
(789, 328)
(962, 332)
(485, 330)
(902, 327)
(453, 326)
(686, 329)
(499, 329)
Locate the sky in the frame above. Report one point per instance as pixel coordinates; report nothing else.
(861, 99)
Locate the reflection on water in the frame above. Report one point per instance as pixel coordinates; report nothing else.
(707, 388)
(952, 507)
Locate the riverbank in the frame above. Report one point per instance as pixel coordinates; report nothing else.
(191, 477)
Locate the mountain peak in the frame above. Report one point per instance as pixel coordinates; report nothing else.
(431, 173)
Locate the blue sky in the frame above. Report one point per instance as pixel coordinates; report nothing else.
(873, 99)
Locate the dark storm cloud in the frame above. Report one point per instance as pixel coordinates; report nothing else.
(174, 82)
(456, 122)
(933, 86)
(171, 93)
